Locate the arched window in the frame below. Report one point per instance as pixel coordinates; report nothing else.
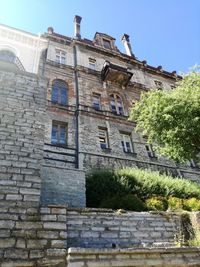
(59, 92)
(6, 55)
(116, 104)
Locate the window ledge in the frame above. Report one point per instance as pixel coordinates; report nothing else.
(106, 150)
(133, 154)
(153, 157)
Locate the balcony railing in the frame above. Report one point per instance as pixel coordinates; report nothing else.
(12, 59)
(109, 113)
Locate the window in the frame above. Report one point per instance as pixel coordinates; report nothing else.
(150, 151)
(60, 56)
(59, 133)
(96, 101)
(59, 92)
(159, 84)
(103, 138)
(116, 104)
(106, 44)
(92, 63)
(126, 143)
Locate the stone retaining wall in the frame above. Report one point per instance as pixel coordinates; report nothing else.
(167, 257)
(97, 229)
(33, 237)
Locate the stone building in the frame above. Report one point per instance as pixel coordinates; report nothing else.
(91, 88)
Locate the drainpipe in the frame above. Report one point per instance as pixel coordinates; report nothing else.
(77, 108)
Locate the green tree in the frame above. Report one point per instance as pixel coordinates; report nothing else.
(171, 118)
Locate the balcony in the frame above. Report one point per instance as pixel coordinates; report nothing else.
(12, 59)
(116, 74)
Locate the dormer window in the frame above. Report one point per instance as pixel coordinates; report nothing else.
(106, 44)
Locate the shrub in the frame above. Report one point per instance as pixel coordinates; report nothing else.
(127, 202)
(157, 203)
(191, 204)
(175, 203)
(100, 185)
(105, 184)
(146, 183)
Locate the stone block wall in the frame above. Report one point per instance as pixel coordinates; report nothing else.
(61, 185)
(33, 237)
(22, 116)
(168, 257)
(92, 228)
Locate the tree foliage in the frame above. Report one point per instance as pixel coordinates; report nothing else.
(171, 119)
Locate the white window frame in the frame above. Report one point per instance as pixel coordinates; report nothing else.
(59, 124)
(115, 99)
(98, 98)
(60, 56)
(92, 63)
(150, 151)
(126, 138)
(103, 135)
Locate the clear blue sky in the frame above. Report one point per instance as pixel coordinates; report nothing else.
(164, 32)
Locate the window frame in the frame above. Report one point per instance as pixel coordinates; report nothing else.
(58, 53)
(59, 125)
(92, 63)
(150, 151)
(59, 87)
(116, 99)
(97, 96)
(105, 131)
(106, 43)
(124, 137)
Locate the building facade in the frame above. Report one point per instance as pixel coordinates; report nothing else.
(91, 88)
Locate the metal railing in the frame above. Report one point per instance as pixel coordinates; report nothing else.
(12, 59)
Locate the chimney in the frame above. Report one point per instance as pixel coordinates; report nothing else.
(50, 30)
(127, 45)
(77, 31)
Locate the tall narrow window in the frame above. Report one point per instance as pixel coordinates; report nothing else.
(103, 138)
(59, 92)
(59, 133)
(126, 143)
(96, 101)
(92, 63)
(116, 104)
(60, 56)
(150, 151)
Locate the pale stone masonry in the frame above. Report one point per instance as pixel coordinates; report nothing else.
(47, 142)
(91, 86)
(168, 257)
(107, 229)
